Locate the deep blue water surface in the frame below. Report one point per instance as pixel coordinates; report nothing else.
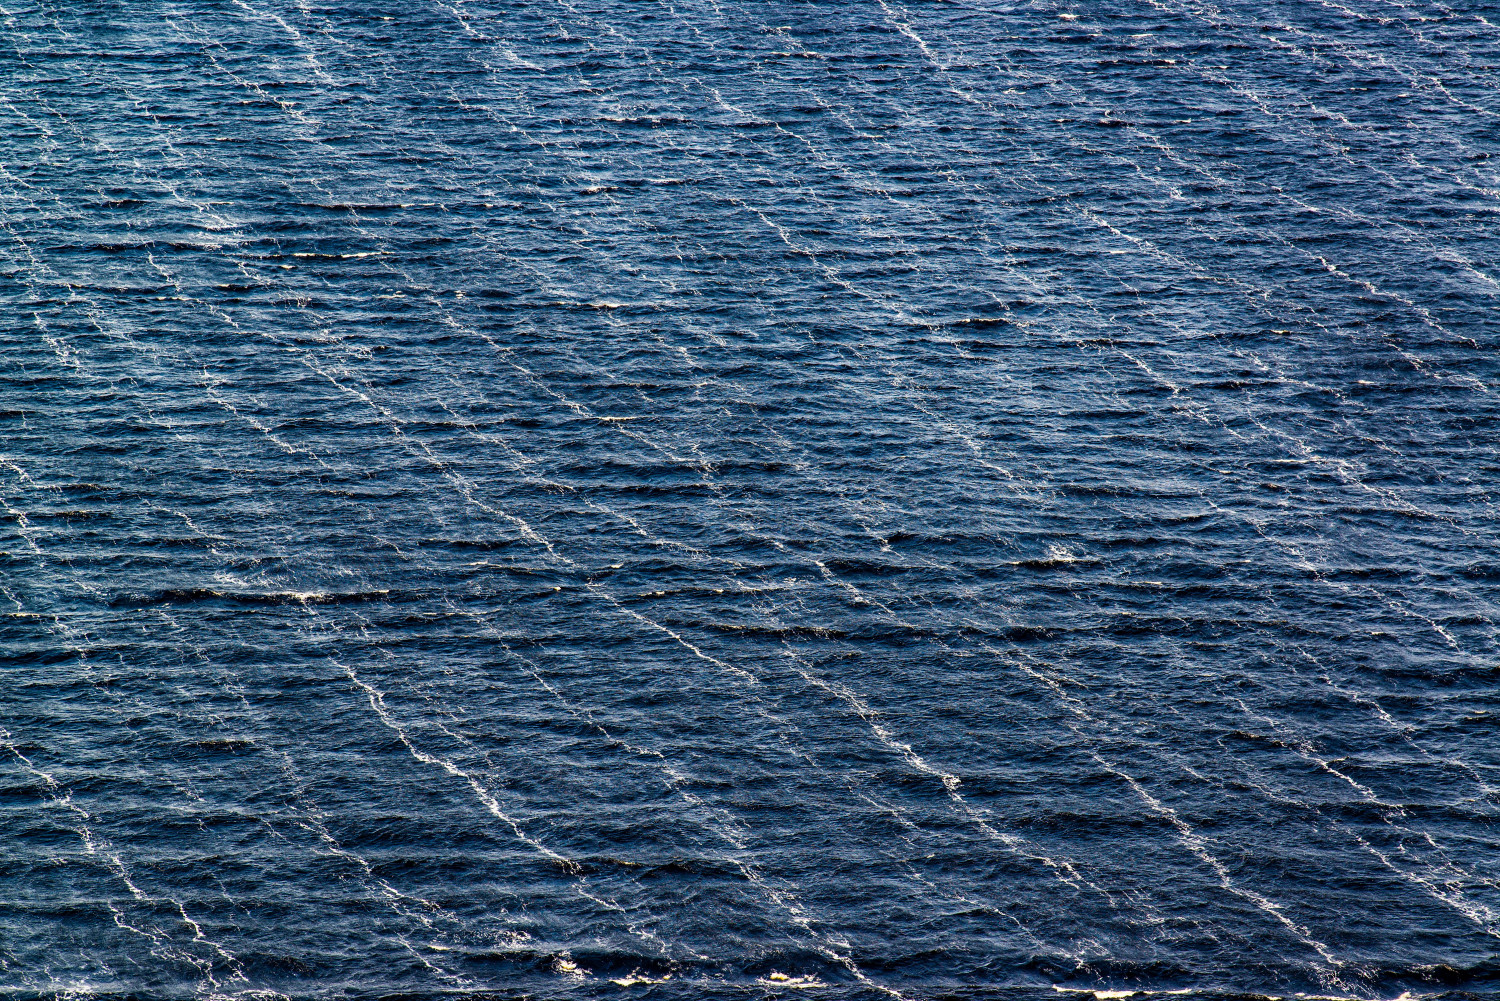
(727, 500)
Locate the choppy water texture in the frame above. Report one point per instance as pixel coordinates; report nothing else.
(734, 499)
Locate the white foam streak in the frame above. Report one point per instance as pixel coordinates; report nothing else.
(1198, 846)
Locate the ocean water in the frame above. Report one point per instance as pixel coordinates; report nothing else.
(738, 500)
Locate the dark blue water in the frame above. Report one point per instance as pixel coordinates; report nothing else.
(735, 500)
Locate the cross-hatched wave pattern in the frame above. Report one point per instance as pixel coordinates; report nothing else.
(709, 499)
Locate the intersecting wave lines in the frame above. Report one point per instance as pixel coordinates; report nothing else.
(581, 497)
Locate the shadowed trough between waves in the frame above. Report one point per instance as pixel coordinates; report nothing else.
(895, 499)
